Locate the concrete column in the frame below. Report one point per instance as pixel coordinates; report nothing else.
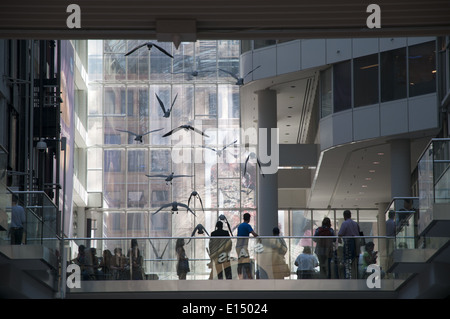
(267, 185)
(400, 168)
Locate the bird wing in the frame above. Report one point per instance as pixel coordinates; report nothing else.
(182, 176)
(186, 206)
(197, 130)
(245, 165)
(173, 131)
(162, 50)
(162, 207)
(201, 202)
(212, 149)
(259, 164)
(189, 200)
(229, 145)
(205, 230)
(232, 74)
(161, 103)
(156, 175)
(152, 131)
(252, 71)
(127, 132)
(173, 102)
(136, 48)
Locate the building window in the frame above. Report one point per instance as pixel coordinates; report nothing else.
(326, 93)
(112, 161)
(136, 161)
(393, 75)
(365, 80)
(112, 138)
(342, 86)
(160, 160)
(422, 69)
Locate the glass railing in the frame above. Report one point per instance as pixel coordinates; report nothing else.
(401, 221)
(41, 219)
(434, 179)
(209, 258)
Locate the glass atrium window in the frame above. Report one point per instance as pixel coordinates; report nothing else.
(342, 86)
(393, 75)
(123, 97)
(422, 68)
(365, 80)
(326, 93)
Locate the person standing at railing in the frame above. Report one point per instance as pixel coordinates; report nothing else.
(219, 250)
(136, 261)
(183, 261)
(17, 223)
(244, 264)
(350, 228)
(324, 247)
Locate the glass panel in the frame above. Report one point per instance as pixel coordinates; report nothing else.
(160, 63)
(422, 68)
(342, 86)
(393, 75)
(365, 80)
(258, 44)
(206, 59)
(326, 93)
(114, 67)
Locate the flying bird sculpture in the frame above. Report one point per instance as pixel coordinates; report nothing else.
(149, 45)
(239, 81)
(193, 73)
(224, 219)
(198, 229)
(166, 112)
(195, 194)
(252, 155)
(174, 206)
(168, 178)
(220, 151)
(187, 128)
(138, 137)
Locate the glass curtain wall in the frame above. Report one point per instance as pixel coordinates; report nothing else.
(123, 99)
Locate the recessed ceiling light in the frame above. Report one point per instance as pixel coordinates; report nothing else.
(364, 186)
(368, 178)
(376, 163)
(381, 153)
(372, 171)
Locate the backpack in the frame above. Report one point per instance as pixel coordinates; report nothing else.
(324, 231)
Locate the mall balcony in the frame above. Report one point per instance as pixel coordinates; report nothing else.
(412, 262)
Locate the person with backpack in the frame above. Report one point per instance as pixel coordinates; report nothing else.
(324, 247)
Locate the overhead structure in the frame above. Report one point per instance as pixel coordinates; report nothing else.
(177, 20)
